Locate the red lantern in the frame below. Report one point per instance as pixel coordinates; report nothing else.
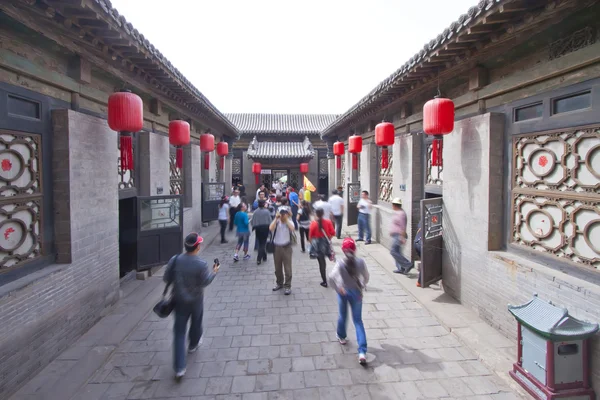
(338, 152)
(256, 170)
(355, 147)
(179, 135)
(207, 144)
(126, 116)
(438, 120)
(384, 136)
(304, 168)
(222, 151)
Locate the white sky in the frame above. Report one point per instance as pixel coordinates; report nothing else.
(278, 56)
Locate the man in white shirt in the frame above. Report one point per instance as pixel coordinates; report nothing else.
(337, 211)
(321, 203)
(364, 217)
(277, 186)
(234, 203)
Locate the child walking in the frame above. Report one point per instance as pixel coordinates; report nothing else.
(242, 225)
(349, 278)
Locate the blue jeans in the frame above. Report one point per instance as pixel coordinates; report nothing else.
(364, 224)
(402, 263)
(294, 215)
(183, 313)
(354, 298)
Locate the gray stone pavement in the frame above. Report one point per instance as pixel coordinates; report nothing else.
(264, 345)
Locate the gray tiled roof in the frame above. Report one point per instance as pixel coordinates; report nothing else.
(302, 149)
(281, 123)
(551, 321)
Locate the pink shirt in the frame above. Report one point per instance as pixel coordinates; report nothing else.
(399, 225)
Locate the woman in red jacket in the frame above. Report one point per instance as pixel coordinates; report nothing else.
(319, 234)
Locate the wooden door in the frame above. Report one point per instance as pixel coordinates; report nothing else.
(431, 253)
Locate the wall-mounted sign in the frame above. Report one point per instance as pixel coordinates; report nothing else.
(265, 172)
(402, 187)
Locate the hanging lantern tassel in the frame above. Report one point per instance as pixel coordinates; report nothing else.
(206, 160)
(222, 163)
(384, 158)
(436, 153)
(179, 157)
(256, 178)
(354, 161)
(338, 162)
(126, 139)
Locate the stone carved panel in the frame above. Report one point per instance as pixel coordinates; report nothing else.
(566, 228)
(236, 166)
(323, 168)
(21, 199)
(573, 42)
(566, 161)
(555, 193)
(20, 158)
(434, 174)
(386, 179)
(343, 172)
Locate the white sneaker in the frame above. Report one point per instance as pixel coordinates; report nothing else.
(362, 359)
(342, 341)
(192, 349)
(180, 374)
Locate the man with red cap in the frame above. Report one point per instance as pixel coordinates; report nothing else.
(349, 278)
(189, 275)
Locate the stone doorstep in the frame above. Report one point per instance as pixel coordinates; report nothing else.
(93, 349)
(492, 348)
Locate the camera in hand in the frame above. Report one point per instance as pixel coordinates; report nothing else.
(217, 261)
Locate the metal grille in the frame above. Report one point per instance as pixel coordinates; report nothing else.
(556, 193)
(175, 175)
(386, 179)
(21, 199)
(434, 175)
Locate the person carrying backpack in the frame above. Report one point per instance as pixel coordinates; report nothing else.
(349, 278)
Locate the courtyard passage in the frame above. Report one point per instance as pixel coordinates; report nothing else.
(261, 345)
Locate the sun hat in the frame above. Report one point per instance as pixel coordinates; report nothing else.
(397, 201)
(193, 239)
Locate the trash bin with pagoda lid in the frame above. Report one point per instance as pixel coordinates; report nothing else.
(553, 352)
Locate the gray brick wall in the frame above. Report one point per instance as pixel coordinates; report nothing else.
(154, 164)
(484, 280)
(56, 305)
(192, 216)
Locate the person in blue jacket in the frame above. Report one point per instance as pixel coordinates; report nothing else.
(242, 224)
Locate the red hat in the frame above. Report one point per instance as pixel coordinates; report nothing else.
(349, 245)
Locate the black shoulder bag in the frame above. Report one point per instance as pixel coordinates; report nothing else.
(165, 306)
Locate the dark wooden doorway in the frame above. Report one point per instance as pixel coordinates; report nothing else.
(432, 242)
(212, 193)
(353, 198)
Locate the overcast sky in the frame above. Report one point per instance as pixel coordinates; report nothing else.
(282, 56)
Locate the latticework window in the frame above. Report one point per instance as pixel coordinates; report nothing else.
(434, 174)
(21, 199)
(386, 181)
(323, 168)
(175, 175)
(556, 194)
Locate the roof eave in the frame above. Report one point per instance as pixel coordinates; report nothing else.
(136, 44)
(415, 69)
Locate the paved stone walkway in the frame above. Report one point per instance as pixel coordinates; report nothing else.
(261, 345)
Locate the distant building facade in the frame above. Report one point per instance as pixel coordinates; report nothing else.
(280, 142)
